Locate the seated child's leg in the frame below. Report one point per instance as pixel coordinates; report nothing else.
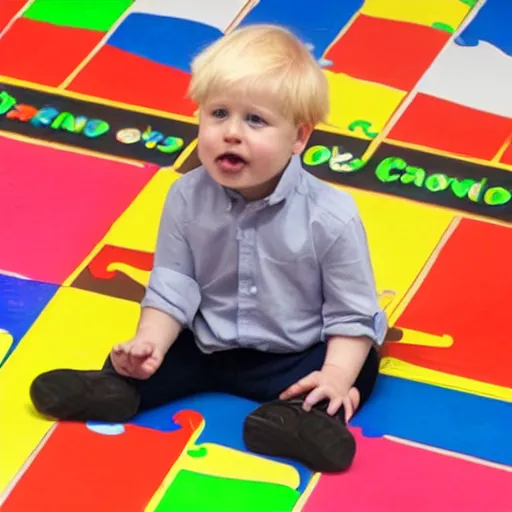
(283, 428)
(104, 395)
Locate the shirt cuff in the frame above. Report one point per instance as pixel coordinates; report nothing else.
(173, 293)
(375, 328)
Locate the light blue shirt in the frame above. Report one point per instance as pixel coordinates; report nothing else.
(278, 274)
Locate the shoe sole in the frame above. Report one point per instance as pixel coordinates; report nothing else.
(76, 395)
(284, 429)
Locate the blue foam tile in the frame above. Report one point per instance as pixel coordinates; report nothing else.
(439, 417)
(224, 418)
(169, 41)
(315, 23)
(492, 24)
(21, 302)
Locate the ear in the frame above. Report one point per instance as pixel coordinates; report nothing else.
(302, 136)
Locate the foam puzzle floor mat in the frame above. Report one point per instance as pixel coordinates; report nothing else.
(92, 138)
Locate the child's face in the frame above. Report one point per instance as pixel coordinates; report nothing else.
(245, 142)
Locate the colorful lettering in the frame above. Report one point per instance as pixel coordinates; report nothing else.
(6, 102)
(22, 113)
(44, 116)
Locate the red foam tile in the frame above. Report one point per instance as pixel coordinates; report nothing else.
(57, 205)
(466, 295)
(117, 75)
(441, 124)
(9, 8)
(44, 53)
(392, 477)
(81, 470)
(388, 52)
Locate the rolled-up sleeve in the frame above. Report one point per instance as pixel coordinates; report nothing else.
(351, 306)
(172, 287)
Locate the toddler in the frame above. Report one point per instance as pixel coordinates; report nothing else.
(262, 284)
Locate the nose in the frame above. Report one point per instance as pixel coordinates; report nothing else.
(232, 131)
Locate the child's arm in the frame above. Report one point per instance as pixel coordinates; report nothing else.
(353, 319)
(159, 327)
(347, 355)
(172, 289)
(172, 296)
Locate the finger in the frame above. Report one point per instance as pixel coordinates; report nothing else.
(334, 405)
(307, 383)
(150, 366)
(349, 408)
(317, 395)
(119, 348)
(142, 350)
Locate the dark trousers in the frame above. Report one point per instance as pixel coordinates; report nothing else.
(259, 376)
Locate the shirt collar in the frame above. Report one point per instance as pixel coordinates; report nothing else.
(290, 179)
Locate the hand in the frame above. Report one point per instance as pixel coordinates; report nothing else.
(137, 358)
(328, 383)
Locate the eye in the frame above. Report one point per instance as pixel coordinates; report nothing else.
(255, 119)
(220, 113)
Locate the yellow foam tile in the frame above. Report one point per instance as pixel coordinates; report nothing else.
(422, 12)
(401, 236)
(75, 330)
(137, 227)
(216, 460)
(354, 100)
(403, 370)
(5, 343)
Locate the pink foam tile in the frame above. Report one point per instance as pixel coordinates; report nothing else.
(56, 205)
(390, 476)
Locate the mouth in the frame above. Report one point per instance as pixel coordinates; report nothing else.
(231, 158)
(231, 162)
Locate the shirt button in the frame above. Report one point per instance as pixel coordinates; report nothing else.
(253, 290)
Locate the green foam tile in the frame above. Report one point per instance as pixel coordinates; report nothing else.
(195, 492)
(90, 14)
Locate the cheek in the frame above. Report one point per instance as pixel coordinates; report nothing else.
(205, 144)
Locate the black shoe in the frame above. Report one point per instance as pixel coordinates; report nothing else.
(76, 395)
(283, 428)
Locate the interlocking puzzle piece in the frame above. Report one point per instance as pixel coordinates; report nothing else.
(194, 492)
(491, 24)
(121, 267)
(117, 272)
(117, 75)
(91, 15)
(76, 330)
(30, 62)
(47, 195)
(447, 126)
(493, 69)
(82, 469)
(370, 102)
(21, 302)
(405, 478)
(396, 264)
(9, 10)
(216, 460)
(387, 52)
(318, 25)
(422, 12)
(218, 16)
(446, 114)
(188, 27)
(438, 417)
(465, 295)
(224, 416)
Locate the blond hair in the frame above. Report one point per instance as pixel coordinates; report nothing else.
(265, 59)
